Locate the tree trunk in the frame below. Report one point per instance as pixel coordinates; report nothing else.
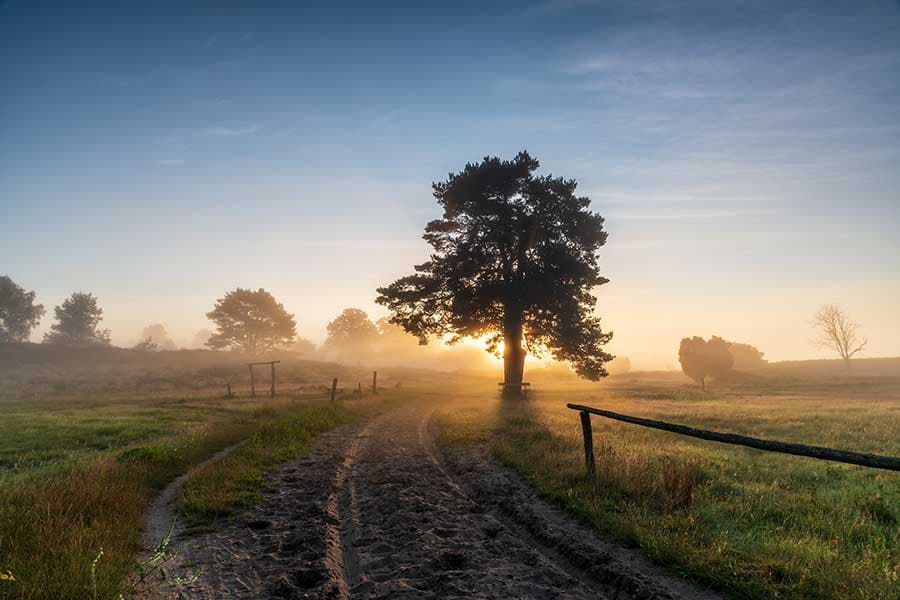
(513, 355)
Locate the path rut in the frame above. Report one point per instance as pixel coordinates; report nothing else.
(375, 511)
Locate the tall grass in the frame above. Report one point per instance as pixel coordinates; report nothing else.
(751, 524)
(54, 522)
(220, 489)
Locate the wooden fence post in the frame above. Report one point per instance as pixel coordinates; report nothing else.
(273, 380)
(374, 382)
(359, 389)
(252, 383)
(333, 388)
(228, 387)
(588, 443)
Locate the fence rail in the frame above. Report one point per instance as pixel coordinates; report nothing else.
(874, 461)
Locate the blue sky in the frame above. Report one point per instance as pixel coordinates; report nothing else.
(746, 154)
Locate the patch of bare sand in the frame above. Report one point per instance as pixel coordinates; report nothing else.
(376, 512)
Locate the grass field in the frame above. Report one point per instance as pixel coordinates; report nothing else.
(79, 467)
(749, 523)
(82, 456)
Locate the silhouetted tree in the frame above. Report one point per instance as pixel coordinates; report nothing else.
(351, 330)
(76, 324)
(746, 357)
(200, 338)
(159, 335)
(838, 332)
(701, 359)
(250, 321)
(514, 258)
(18, 312)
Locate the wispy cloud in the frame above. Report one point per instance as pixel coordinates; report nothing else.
(170, 162)
(233, 131)
(694, 215)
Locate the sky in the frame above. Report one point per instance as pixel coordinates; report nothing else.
(746, 155)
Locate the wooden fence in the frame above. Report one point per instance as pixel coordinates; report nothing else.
(331, 393)
(873, 461)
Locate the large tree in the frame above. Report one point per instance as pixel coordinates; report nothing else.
(77, 321)
(251, 321)
(18, 312)
(514, 258)
(839, 332)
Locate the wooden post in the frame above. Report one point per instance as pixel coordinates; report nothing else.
(228, 387)
(374, 382)
(333, 388)
(252, 383)
(588, 443)
(359, 389)
(273, 379)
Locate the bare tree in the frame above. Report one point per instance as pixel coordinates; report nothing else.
(838, 332)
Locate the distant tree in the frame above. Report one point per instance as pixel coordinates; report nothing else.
(76, 324)
(351, 330)
(691, 355)
(514, 258)
(701, 359)
(746, 357)
(719, 358)
(250, 321)
(146, 345)
(200, 338)
(18, 312)
(619, 365)
(159, 335)
(838, 332)
(303, 347)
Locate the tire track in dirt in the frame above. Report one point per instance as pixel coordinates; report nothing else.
(342, 530)
(377, 511)
(611, 570)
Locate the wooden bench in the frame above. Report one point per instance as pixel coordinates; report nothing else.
(522, 386)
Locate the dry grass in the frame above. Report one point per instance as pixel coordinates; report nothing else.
(57, 513)
(749, 523)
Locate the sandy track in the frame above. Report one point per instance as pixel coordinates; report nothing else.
(376, 512)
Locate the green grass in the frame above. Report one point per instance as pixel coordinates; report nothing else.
(748, 523)
(222, 488)
(77, 475)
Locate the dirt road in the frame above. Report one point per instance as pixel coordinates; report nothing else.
(376, 512)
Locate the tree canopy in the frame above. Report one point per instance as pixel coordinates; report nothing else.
(77, 320)
(514, 260)
(746, 357)
(18, 312)
(701, 359)
(351, 329)
(250, 321)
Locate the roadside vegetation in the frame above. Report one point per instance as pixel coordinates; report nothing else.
(748, 523)
(78, 471)
(222, 488)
